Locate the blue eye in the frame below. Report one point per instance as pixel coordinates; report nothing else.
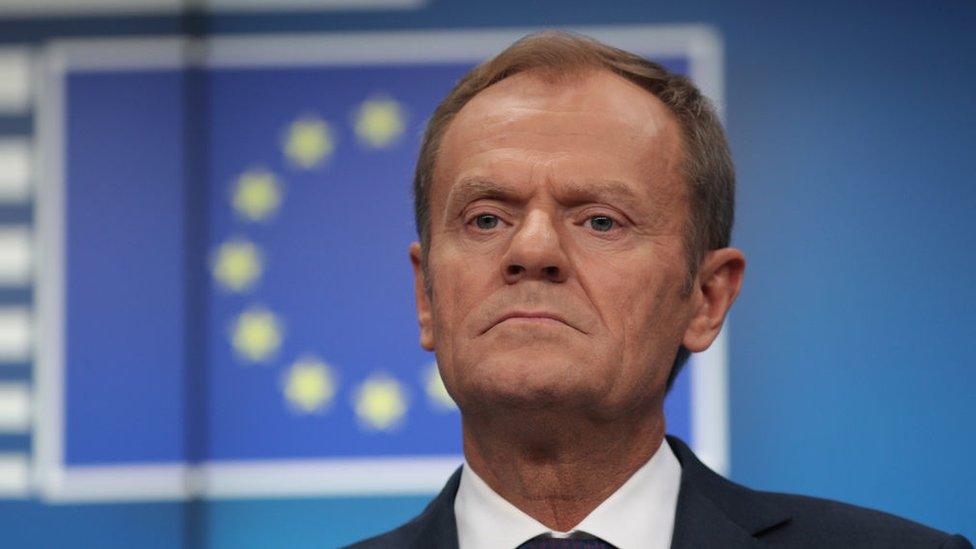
(486, 221)
(601, 223)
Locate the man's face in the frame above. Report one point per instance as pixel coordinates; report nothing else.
(556, 257)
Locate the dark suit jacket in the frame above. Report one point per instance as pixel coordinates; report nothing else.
(714, 512)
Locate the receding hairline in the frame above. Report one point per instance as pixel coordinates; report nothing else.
(576, 77)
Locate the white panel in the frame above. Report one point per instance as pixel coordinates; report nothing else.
(47, 438)
(15, 256)
(142, 482)
(87, 7)
(710, 402)
(278, 5)
(15, 170)
(271, 478)
(14, 475)
(15, 329)
(260, 478)
(15, 81)
(14, 408)
(21, 8)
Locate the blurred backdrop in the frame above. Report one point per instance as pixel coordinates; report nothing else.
(206, 320)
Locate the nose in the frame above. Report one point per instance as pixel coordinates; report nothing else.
(536, 252)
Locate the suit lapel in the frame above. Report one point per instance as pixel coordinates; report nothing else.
(437, 527)
(714, 512)
(700, 524)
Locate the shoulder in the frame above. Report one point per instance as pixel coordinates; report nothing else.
(716, 512)
(816, 522)
(434, 528)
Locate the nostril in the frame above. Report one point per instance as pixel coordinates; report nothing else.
(552, 271)
(515, 269)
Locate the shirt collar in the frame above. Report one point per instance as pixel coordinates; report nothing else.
(639, 515)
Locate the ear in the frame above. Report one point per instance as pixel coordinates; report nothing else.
(716, 287)
(424, 317)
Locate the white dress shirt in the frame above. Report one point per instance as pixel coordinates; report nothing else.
(639, 515)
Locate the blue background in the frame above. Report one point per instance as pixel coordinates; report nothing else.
(851, 346)
(124, 228)
(336, 270)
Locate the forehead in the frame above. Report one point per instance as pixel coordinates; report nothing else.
(596, 124)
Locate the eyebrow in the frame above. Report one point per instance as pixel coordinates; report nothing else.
(603, 190)
(568, 193)
(469, 190)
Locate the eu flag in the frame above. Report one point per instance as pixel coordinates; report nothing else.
(233, 251)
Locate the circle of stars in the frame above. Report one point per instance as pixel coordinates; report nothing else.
(309, 385)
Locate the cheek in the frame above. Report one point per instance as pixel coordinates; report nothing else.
(642, 308)
(458, 288)
(626, 288)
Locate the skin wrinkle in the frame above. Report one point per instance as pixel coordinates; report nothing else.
(556, 419)
(585, 287)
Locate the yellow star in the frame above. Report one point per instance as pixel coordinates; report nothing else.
(256, 334)
(436, 391)
(237, 265)
(380, 403)
(379, 122)
(309, 385)
(257, 195)
(309, 141)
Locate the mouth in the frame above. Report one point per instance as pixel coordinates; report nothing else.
(532, 317)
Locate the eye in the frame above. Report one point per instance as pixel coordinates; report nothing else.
(486, 221)
(601, 223)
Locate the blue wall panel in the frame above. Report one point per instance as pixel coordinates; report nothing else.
(124, 268)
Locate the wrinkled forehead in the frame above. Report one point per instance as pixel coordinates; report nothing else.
(598, 123)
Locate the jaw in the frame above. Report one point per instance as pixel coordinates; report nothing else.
(557, 435)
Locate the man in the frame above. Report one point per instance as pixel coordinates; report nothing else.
(574, 206)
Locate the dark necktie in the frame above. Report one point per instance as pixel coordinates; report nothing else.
(543, 542)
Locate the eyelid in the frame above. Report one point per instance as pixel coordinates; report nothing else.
(471, 215)
(617, 217)
(620, 220)
(477, 212)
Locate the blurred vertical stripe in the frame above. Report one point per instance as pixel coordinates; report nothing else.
(15, 334)
(14, 474)
(15, 256)
(15, 408)
(15, 81)
(15, 169)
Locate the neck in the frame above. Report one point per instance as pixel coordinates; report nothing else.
(557, 471)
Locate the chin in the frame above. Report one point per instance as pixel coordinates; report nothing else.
(527, 380)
